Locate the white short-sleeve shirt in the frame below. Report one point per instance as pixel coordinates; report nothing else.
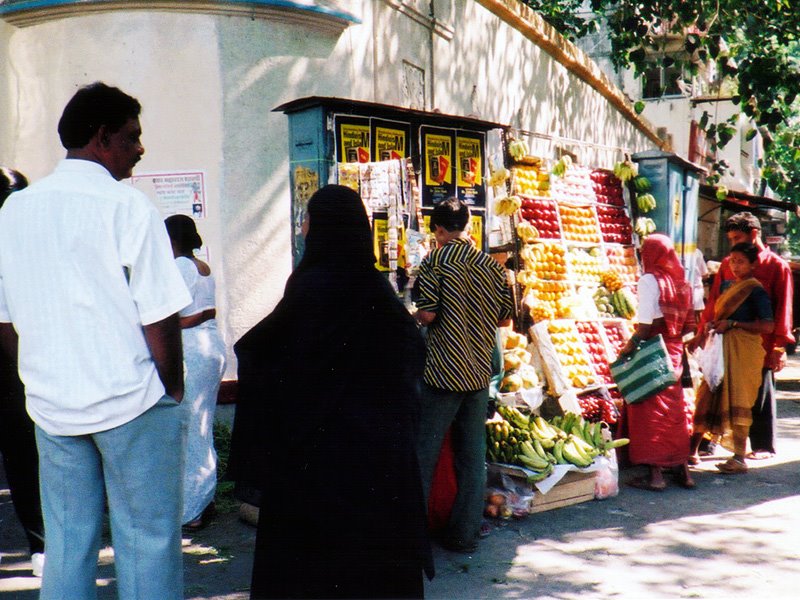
(201, 287)
(649, 293)
(85, 262)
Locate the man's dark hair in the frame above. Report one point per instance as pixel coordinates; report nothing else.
(743, 221)
(11, 180)
(749, 250)
(451, 214)
(91, 107)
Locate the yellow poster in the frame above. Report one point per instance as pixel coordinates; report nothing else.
(468, 161)
(390, 144)
(380, 240)
(438, 159)
(355, 143)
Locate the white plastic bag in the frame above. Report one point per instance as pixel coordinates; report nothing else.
(711, 361)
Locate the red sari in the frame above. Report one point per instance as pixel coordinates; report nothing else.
(658, 427)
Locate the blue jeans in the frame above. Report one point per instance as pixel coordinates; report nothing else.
(466, 413)
(138, 468)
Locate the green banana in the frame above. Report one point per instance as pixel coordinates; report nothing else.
(537, 446)
(537, 464)
(573, 454)
(597, 434)
(543, 474)
(616, 443)
(558, 452)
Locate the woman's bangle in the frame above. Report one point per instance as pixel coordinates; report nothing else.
(733, 324)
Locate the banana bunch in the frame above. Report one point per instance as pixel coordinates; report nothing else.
(498, 177)
(538, 445)
(624, 303)
(527, 232)
(517, 148)
(560, 168)
(645, 202)
(503, 437)
(611, 280)
(625, 170)
(507, 205)
(644, 226)
(602, 300)
(641, 184)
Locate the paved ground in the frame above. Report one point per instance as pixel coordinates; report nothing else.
(732, 537)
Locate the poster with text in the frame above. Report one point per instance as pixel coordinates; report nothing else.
(390, 140)
(353, 136)
(469, 168)
(175, 193)
(384, 252)
(438, 182)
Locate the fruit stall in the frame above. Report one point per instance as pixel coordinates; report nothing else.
(575, 232)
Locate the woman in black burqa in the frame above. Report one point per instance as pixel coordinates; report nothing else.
(325, 424)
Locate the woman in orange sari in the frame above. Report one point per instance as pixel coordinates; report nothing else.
(741, 314)
(658, 426)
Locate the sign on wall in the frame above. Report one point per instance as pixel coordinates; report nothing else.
(176, 192)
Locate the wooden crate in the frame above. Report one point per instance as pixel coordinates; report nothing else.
(573, 488)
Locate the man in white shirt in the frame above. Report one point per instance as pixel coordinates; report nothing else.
(89, 286)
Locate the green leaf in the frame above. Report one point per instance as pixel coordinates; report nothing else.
(751, 133)
(638, 107)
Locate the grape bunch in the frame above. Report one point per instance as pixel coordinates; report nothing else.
(596, 407)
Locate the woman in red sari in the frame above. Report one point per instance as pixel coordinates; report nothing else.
(658, 427)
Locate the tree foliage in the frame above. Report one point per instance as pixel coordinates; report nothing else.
(749, 41)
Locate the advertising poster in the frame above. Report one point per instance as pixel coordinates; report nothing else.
(175, 193)
(390, 140)
(469, 168)
(381, 246)
(354, 140)
(438, 181)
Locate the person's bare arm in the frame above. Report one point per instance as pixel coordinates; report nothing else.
(425, 317)
(164, 340)
(9, 341)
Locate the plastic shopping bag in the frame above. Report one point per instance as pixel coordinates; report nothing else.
(711, 361)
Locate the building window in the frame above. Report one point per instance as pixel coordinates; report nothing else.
(661, 82)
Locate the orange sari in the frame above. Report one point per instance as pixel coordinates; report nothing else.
(732, 402)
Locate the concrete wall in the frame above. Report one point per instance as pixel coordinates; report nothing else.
(208, 84)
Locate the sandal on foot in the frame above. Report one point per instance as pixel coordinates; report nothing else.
(732, 467)
(643, 483)
(760, 455)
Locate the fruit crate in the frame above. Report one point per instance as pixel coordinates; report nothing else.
(573, 488)
(542, 213)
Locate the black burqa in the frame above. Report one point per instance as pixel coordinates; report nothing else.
(324, 430)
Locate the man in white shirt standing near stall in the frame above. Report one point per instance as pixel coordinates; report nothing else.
(89, 286)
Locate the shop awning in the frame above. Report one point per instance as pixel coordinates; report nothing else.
(375, 109)
(738, 201)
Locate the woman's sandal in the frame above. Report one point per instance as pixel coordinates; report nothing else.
(732, 467)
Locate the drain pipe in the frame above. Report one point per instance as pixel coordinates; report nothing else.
(432, 29)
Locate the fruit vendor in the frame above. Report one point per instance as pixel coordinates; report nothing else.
(776, 277)
(657, 426)
(463, 296)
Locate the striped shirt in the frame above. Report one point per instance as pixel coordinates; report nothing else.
(468, 291)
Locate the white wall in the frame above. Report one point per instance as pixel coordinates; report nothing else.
(208, 85)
